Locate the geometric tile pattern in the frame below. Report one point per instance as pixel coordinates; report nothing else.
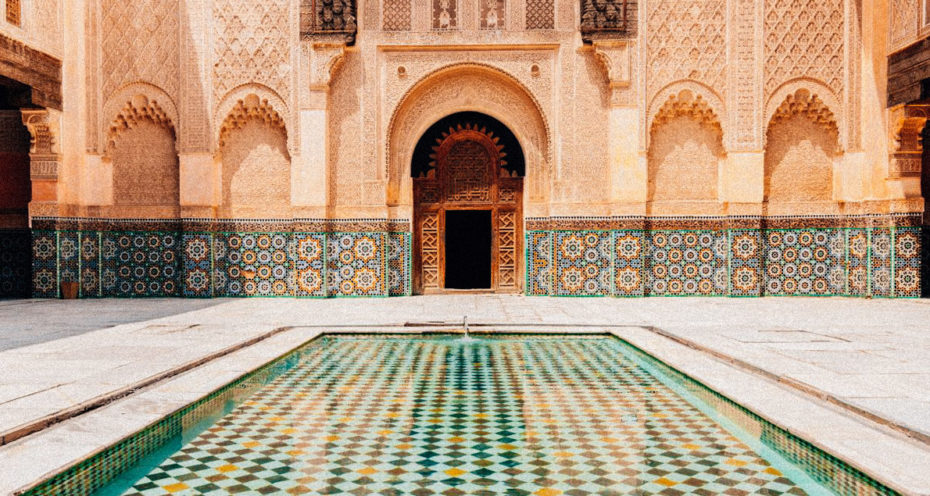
(584, 262)
(884, 262)
(808, 262)
(629, 257)
(398, 264)
(15, 263)
(687, 263)
(857, 246)
(90, 265)
(907, 248)
(139, 264)
(539, 263)
(69, 256)
(543, 416)
(356, 264)
(310, 275)
(44, 264)
(746, 262)
(196, 278)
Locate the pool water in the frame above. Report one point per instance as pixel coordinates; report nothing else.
(512, 416)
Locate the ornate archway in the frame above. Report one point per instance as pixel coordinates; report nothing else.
(468, 206)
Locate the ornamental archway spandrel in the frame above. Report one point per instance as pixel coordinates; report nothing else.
(532, 69)
(467, 88)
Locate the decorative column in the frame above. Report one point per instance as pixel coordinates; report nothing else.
(44, 159)
(627, 171)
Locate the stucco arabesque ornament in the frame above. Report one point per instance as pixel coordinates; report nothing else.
(615, 57)
(44, 147)
(248, 109)
(687, 104)
(907, 125)
(805, 103)
(137, 110)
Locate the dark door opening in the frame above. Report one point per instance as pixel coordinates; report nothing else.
(468, 249)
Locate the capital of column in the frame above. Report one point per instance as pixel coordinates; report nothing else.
(44, 146)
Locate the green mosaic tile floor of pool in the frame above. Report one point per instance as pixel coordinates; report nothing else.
(392, 416)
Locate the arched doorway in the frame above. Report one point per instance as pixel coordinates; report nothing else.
(468, 173)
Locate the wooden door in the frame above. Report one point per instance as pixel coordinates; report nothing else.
(466, 173)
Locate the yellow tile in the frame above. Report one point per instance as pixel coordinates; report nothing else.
(548, 491)
(690, 446)
(385, 432)
(404, 446)
(331, 438)
(435, 420)
(772, 471)
(252, 444)
(563, 454)
(507, 447)
(367, 470)
(289, 430)
(173, 488)
(346, 420)
(296, 452)
(454, 472)
(610, 440)
(666, 482)
(659, 415)
(227, 468)
(456, 439)
(735, 462)
(392, 415)
(276, 419)
(481, 415)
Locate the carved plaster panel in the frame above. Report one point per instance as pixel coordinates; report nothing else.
(140, 43)
(686, 40)
(805, 38)
(517, 64)
(252, 44)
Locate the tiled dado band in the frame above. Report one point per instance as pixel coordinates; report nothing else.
(193, 258)
(817, 256)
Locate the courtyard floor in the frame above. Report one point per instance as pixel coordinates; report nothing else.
(865, 361)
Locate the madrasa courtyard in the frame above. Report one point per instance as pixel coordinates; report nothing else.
(453, 247)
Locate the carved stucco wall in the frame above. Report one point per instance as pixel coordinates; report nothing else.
(685, 150)
(802, 143)
(145, 166)
(140, 44)
(345, 132)
(256, 171)
(805, 39)
(686, 40)
(252, 44)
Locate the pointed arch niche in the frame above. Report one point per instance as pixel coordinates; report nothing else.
(685, 151)
(802, 150)
(141, 144)
(256, 163)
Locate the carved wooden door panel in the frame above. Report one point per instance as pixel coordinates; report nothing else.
(466, 174)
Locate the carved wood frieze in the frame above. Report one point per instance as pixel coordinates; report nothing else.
(330, 18)
(608, 19)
